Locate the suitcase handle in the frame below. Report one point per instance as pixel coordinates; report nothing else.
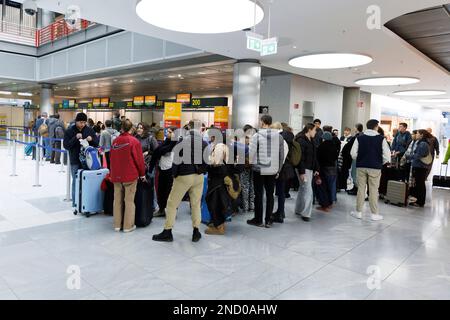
(446, 170)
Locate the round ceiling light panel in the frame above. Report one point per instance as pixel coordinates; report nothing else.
(420, 93)
(330, 61)
(387, 81)
(200, 16)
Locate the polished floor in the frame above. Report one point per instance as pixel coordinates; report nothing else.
(406, 256)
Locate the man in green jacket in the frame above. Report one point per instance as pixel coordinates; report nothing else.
(447, 156)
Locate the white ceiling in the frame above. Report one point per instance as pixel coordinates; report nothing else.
(311, 26)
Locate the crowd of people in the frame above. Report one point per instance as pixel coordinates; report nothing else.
(244, 174)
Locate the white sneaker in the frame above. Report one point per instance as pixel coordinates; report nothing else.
(356, 214)
(116, 229)
(130, 230)
(376, 217)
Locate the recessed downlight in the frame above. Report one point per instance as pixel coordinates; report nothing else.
(435, 100)
(25, 94)
(387, 81)
(330, 61)
(6, 93)
(214, 16)
(420, 93)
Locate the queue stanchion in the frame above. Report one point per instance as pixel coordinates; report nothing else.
(68, 181)
(41, 145)
(17, 134)
(14, 159)
(37, 165)
(8, 136)
(62, 158)
(24, 146)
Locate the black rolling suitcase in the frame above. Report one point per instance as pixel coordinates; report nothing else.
(442, 181)
(108, 203)
(144, 204)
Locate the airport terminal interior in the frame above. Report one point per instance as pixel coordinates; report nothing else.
(362, 89)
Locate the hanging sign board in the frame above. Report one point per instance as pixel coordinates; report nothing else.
(104, 102)
(184, 98)
(172, 114)
(138, 101)
(96, 102)
(150, 101)
(221, 115)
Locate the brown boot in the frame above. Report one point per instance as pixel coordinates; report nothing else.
(217, 231)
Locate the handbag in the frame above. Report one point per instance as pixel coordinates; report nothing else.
(230, 185)
(428, 160)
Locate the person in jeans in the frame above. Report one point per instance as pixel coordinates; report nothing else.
(188, 170)
(319, 132)
(307, 170)
(58, 130)
(371, 151)
(127, 166)
(106, 139)
(163, 155)
(327, 158)
(349, 162)
(72, 144)
(420, 167)
(266, 153)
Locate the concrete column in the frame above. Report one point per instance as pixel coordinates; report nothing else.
(356, 107)
(246, 93)
(45, 18)
(46, 104)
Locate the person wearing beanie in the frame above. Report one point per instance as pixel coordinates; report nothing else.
(72, 144)
(327, 158)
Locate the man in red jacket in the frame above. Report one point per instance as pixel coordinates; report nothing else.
(127, 166)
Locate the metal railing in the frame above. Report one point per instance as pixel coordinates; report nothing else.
(17, 33)
(59, 30)
(25, 35)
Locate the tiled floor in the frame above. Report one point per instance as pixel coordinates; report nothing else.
(406, 256)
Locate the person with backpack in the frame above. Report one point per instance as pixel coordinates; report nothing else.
(307, 169)
(42, 131)
(107, 138)
(291, 152)
(266, 154)
(188, 171)
(127, 166)
(73, 135)
(58, 133)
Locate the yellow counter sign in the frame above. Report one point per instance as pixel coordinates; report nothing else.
(221, 114)
(172, 114)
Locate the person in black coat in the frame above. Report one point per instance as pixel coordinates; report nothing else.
(327, 158)
(71, 143)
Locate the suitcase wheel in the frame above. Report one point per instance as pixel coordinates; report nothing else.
(75, 212)
(88, 214)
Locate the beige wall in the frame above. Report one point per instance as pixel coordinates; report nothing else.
(14, 115)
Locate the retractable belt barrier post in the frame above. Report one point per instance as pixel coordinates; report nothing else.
(36, 176)
(68, 181)
(62, 157)
(41, 145)
(14, 158)
(17, 134)
(8, 136)
(24, 146)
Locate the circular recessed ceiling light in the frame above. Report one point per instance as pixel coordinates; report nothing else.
(387, 81)
(330, 61)
(420, 93)
(215, 16)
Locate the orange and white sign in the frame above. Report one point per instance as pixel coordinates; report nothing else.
(172, 114)
(184, 98)
(221, 115)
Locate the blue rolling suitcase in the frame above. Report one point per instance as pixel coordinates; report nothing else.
(89, 196)
(206, 216)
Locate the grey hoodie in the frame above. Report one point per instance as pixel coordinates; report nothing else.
(266, 152)
(106, 138)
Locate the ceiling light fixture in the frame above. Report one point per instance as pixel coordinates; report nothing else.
(7, 93)
(25, 94)
(387, 81)
(330, 61)
(435, 100)
(419, 93)
(217, 16)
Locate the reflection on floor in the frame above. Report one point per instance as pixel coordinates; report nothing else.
(406, 256)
